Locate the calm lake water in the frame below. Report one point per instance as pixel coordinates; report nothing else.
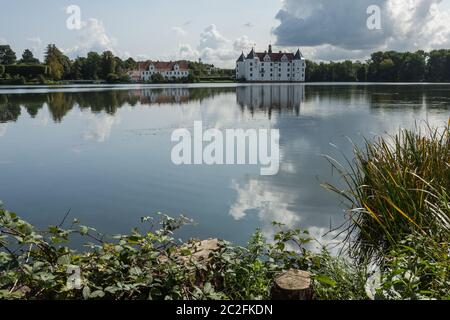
(104, 152)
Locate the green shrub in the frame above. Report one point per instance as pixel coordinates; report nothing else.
(2, 70)
(152, 265)
(417, 268)
(29, 71)
(41, 79)
(19, 80)
(112, 78)
(158, 78)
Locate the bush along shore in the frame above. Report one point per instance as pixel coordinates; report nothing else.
(397, 247)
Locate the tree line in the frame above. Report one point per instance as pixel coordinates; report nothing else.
(105, 66)
(389, 66)
(58, 67)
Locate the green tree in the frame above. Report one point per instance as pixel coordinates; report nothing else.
(78, 68)
(387, 70)
(158, 78)
(438, 66)
(310, 71)
(344, 71)
(130, 64)
(413, 67)
(92, 66)
(28, 57)
(361, 71)
(108, 64)
(59, 64)
(7, 55)
(120, 66)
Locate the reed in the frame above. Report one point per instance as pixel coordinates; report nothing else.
(396, 186)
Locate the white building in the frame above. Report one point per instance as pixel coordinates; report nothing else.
(135, 75)
(169, 70)
(271, 67)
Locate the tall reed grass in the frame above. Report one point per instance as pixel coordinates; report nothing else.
(396, 186)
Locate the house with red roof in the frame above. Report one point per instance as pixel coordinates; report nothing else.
(169, 70)
(269, 66)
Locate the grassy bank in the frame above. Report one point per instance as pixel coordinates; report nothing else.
(398, 243)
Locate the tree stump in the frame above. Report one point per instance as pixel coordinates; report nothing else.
(293, 285)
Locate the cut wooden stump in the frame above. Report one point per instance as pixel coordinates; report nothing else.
(293, 285)
(200, 255)
(202, 250)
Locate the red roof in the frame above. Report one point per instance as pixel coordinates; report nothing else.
(164, 66)
(275, 57)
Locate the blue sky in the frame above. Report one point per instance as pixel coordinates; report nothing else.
(218, 30)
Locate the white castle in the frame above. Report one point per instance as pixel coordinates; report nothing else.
(271, 67)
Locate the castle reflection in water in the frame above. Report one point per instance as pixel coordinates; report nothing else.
(269, 98)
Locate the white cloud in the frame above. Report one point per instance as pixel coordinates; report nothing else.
(212, 39)
(36, 46)
(3, 41)
(215, 48)
(179, 31)
(186, 52)
(243, 44)
(271, 204)
(92, 37)
(142, 57)
(419, 24)
(328, 52)
(126, 55)
(99, 127)
(338, 29)
(3, 128)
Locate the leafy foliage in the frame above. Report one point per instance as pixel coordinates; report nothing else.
(390, 66)
(152, 265)
(24, 70)
(418, 268)
(7, 55)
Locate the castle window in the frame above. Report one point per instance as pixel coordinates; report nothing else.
(251, 75)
